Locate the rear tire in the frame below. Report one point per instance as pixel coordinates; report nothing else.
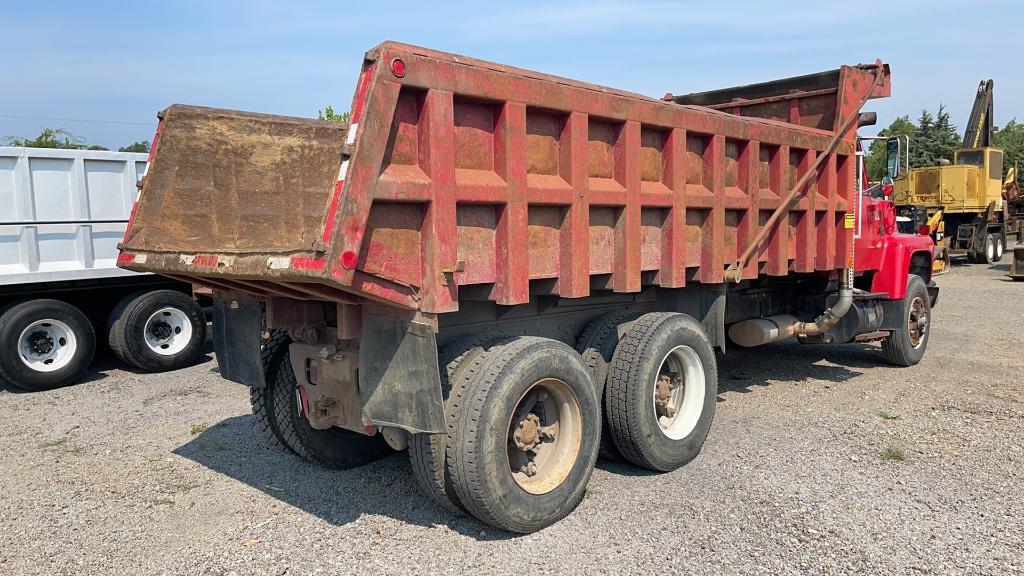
(44, 344)
(596, 344)
(998, 241)
(427, 452)
(277, 412)
(662, 390)
(157, 331)
(527, 436)
(261, 397)
(906, 346)
(988, 252)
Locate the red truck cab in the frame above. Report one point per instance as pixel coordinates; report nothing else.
(883, 254)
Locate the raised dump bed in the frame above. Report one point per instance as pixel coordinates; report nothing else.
(575, 250)
(465, 173)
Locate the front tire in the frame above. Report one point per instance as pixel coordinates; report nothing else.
(527, 436)
(157, 331)
(662, 390)
(44, 344)
(277, 412)
(906, 345)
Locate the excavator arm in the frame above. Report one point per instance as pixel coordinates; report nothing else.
(978, 132)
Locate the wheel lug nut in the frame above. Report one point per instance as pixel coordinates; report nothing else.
(530, 468)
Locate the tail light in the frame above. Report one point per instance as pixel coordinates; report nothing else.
(924, 230)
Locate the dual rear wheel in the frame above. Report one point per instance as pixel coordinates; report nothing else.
(992, 250)
(277, 409)
(48, 343)
(524, 415)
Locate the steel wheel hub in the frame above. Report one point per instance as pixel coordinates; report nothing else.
(544, 436)
(679, 392)
(41, 342)
(917, 321)
(47, 345)
(168, 331)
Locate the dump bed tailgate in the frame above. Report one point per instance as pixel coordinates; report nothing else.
(232, 182)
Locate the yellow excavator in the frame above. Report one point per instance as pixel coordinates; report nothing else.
(959, 204)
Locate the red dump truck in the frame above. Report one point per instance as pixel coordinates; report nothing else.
(506, 272)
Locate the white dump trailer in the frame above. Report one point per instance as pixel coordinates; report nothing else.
(62, 215)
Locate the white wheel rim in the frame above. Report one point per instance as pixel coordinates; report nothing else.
(47, 345)
(999, 249)
(990, 250)
(168, 331)
(679, 413)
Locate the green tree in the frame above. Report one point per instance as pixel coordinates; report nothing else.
(53, 138)
(329, 114)
(140, 146)
(1011, 139)
(932, 138)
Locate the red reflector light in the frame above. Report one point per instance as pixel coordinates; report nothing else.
(398, 67)
(349, 259)
(887, 190)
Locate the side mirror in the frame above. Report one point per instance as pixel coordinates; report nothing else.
(887, 186)
(893, 148)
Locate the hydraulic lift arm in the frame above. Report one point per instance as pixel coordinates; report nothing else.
(978, 133)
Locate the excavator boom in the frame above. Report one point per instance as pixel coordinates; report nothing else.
(978, 132)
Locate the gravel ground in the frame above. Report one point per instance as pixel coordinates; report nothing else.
(821, 460)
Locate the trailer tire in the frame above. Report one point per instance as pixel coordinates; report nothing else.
(988, 251)
(997, 240)
(596, 344)
(261, 397)
(906, 346)
(427, 452)
(275, 408)
(157, 331)
(654, 344)
(510, 388)
(44, 344)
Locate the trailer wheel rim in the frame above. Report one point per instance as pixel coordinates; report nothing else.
(990, 249)
(917, 321)
(47, 345)
(545, 434)
(168, 331)
(678, 397)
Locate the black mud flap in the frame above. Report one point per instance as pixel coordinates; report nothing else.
(933, 294)
(399, 381)
(237, 324)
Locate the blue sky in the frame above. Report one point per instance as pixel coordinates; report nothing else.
(116, 64)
